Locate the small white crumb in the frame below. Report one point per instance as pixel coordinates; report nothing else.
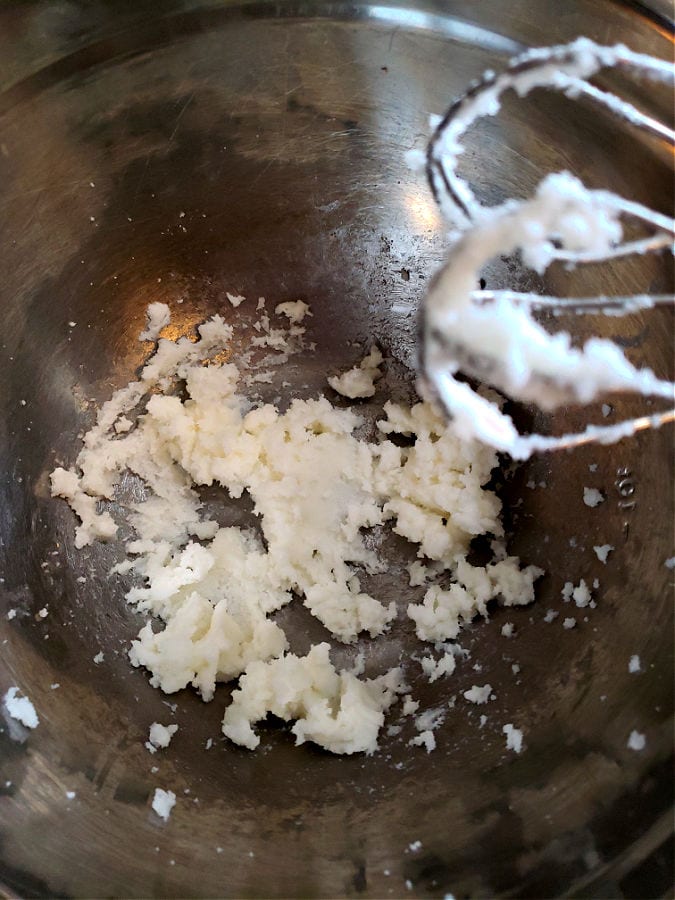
(72, 324)
(606, 409)
(261, 304)
(596, 585)
(551, 615)
(359, 381)
(418, 573)
(410, 706)
(602, 552)
(415, 846)
(99, 657)
(569, 623)
(81, 579)
(294, 310)
(508, 629)
(122, 425)
(636, 741)
(235, 299)
(209, 744)
(163, 802)
(154, 769)
(634, 664)
(482, 721)
(592, 497)
(435, 668)
(150, 747)
(160, 735)
(219, 849)
(581, 594)
(670, 563)
(43, 613)
(478, 694)
(424, 739)
(71, 795)
(55, 686)
(514, 737)
(593, 467)
(20, 708)
(515, 668)
(11, 613)
(568, 589)
(22, 402)
(158, 316)
(430, 719)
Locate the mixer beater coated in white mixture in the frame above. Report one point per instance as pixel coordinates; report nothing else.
(491, 335)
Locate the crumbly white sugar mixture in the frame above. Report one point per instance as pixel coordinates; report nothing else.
(426, 724)
(163, 802)
(436, 668)
(581, 594)
(210, 591)
(602, 551)
(160, 736)
(514, 737)
(592, 497)
(334, 709)
(360, 380)
(20, 708)
(158, 317)
(294, 310)
(636, 741)
(478, 695)
(425, 739)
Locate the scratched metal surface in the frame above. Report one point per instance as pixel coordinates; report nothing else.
(279, 131)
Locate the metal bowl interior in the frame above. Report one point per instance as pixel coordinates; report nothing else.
(258, 148)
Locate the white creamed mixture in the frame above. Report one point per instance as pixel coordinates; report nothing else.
(210, 592)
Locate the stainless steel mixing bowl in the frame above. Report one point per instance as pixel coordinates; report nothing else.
(171, 152)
